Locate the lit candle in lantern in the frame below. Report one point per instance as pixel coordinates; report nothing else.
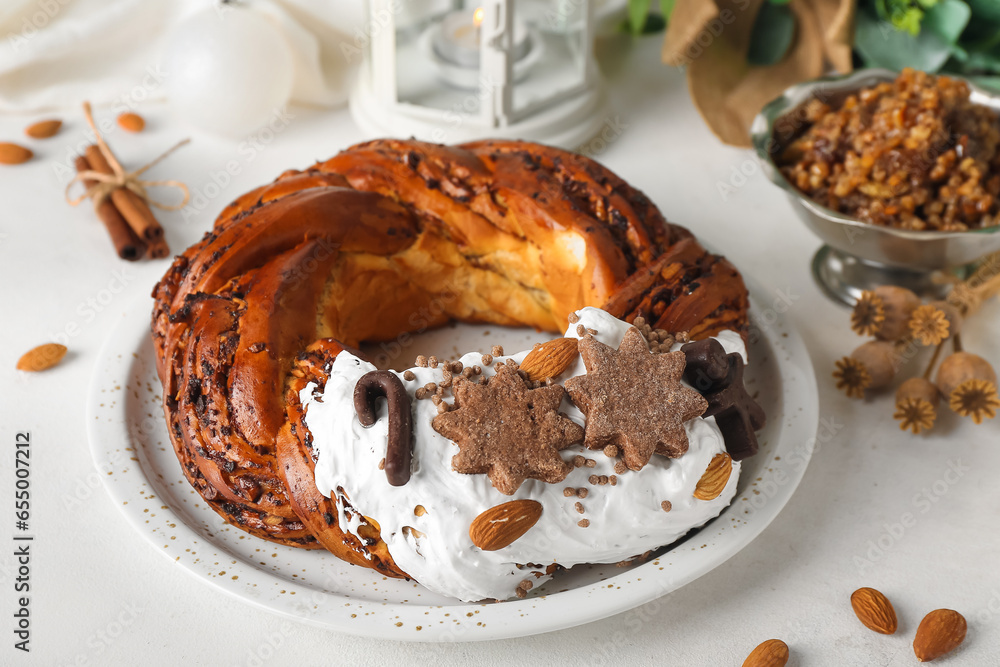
(456, 41)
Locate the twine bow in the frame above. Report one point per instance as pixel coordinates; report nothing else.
(983, 284)
(105, 184)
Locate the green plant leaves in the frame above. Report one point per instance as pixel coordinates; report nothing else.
(638, 11)
(977, 62)
(947, 19)
(985, 10)
(880, 44)
(904, 15)
(773, 32)
(641, 22)
(992, 82)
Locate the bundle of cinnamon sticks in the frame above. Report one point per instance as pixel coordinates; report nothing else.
(134, 230)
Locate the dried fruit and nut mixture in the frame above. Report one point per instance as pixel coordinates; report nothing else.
(914, 153)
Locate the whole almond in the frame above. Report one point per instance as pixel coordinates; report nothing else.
(14, 154)
(550, 359)
(132, 122)
(772, 653)
(715, 477)
(43, 129)
(874, 610)
(42, 357)
(940, 632)
(502, 525)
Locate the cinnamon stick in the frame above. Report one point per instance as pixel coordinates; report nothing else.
(158, 249)
(132, 207)
(128, 246)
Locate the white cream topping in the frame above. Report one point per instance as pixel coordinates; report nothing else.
(625, 520)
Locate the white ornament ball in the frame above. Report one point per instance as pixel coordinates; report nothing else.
(227, 70)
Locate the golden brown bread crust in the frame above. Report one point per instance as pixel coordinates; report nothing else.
(298, 465)
(387, 237)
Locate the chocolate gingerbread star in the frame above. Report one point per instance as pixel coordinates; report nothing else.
(719, 378)
(634, 399)
(508, 431)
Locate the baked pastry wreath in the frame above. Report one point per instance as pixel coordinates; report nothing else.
(386, 238)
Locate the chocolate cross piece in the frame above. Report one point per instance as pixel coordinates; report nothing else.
(719, 378)
(398, 452)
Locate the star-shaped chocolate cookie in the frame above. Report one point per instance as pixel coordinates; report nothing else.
(634, 399)
(508, 431)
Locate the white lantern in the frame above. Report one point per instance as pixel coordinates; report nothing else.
(450, 71)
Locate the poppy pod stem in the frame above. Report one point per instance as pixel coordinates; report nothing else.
(934, 358)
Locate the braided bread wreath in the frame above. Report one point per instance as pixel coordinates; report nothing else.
(391, 236)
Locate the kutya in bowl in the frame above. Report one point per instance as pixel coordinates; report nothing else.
(858, 254)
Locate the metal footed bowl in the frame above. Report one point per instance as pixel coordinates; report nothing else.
(857, 255)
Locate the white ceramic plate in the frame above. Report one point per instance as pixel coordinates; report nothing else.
(129, 443)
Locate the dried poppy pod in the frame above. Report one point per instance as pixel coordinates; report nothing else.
(919, 388)
(871, 366)
(952, 313)
(916, 404)
(880, 359)
(898, 304)
(934, 322)
(960, 367)
(969, 383)
(868, 314)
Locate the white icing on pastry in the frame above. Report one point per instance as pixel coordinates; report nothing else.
(625, 520)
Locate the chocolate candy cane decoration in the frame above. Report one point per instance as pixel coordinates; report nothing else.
(367, 391)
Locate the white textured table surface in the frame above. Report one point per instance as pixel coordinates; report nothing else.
(102, 596)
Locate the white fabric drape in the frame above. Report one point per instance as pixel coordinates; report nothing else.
(55, 53)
